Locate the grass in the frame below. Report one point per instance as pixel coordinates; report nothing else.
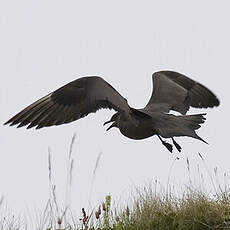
(195, 210)
(148, 211)
(149, 208)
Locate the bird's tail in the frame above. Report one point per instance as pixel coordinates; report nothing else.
(182, 126)
(193, 123)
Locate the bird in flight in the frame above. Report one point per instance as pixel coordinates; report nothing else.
(171, 91)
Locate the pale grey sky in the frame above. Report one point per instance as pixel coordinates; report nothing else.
(45, 44)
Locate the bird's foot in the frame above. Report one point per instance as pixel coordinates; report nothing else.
(178, 147)
(168, 146)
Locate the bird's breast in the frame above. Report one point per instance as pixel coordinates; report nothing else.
(141, 131)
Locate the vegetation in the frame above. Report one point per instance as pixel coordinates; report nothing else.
(194, 211)
(148, 209)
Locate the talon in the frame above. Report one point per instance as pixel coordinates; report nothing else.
(168, 146)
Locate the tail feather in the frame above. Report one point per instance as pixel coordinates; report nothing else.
(195, 120)
(185, 125)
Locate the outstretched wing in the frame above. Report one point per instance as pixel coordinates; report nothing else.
(71, 102)
(175, 91)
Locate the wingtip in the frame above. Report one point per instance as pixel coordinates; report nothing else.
(6, 123)
(217, 102)
(9, 122)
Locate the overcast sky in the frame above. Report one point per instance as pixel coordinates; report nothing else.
(46, 44)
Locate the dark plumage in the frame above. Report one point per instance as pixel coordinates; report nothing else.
(171, 91)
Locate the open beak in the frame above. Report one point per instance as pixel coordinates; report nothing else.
(107, 122)
(111, 126)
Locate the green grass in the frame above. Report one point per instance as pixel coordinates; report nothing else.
(147, 209)
(194, 210)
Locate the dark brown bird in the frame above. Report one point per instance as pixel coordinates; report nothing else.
(171, 91)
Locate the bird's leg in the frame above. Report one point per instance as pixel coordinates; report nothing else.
(178, 147)
(167, 145)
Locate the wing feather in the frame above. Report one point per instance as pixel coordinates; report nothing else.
(71, 102)
(175, 91)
